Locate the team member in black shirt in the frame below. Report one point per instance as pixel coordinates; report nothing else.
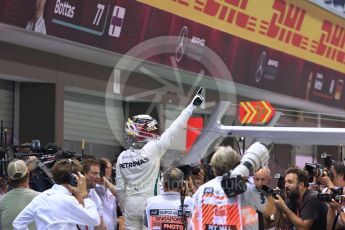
(303, 209)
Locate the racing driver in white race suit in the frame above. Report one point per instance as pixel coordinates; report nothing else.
(137, 169)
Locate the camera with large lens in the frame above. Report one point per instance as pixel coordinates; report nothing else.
(233, 182)
(336, 194)
(45, 157)
(314, 170)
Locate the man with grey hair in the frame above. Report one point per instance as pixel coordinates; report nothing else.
(262, 177)
(214, 210)
(169, 210)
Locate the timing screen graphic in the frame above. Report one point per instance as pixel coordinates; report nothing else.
(96, 18)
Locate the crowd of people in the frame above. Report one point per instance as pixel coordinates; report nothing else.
(143, 195)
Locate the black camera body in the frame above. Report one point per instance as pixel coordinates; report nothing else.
(336, 194)
(233, 185)
(103, 165)
(234, 182)
(276, 192)
(189, 170)
(273, 192)
(314, 170)
(280, 181)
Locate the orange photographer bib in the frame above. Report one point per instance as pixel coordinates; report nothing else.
(218, 212)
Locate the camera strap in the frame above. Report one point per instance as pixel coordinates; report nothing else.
(184, 219)
(261, 220)
(155, 192)
(46, 170)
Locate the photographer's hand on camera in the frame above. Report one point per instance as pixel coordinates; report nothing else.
(280, 203)
(335, 205)
(108, 185)
(233, 185)
(325, 180)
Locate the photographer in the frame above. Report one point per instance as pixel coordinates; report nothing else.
(169, 208)
(303, 209)
(194, 175)
(107, 193)
(64, 206)
(38, 161)
(198, 179)
(212, 207)
(262, 177)
(335, 215)
(335, 178)
(39, 181)
(108, 169)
